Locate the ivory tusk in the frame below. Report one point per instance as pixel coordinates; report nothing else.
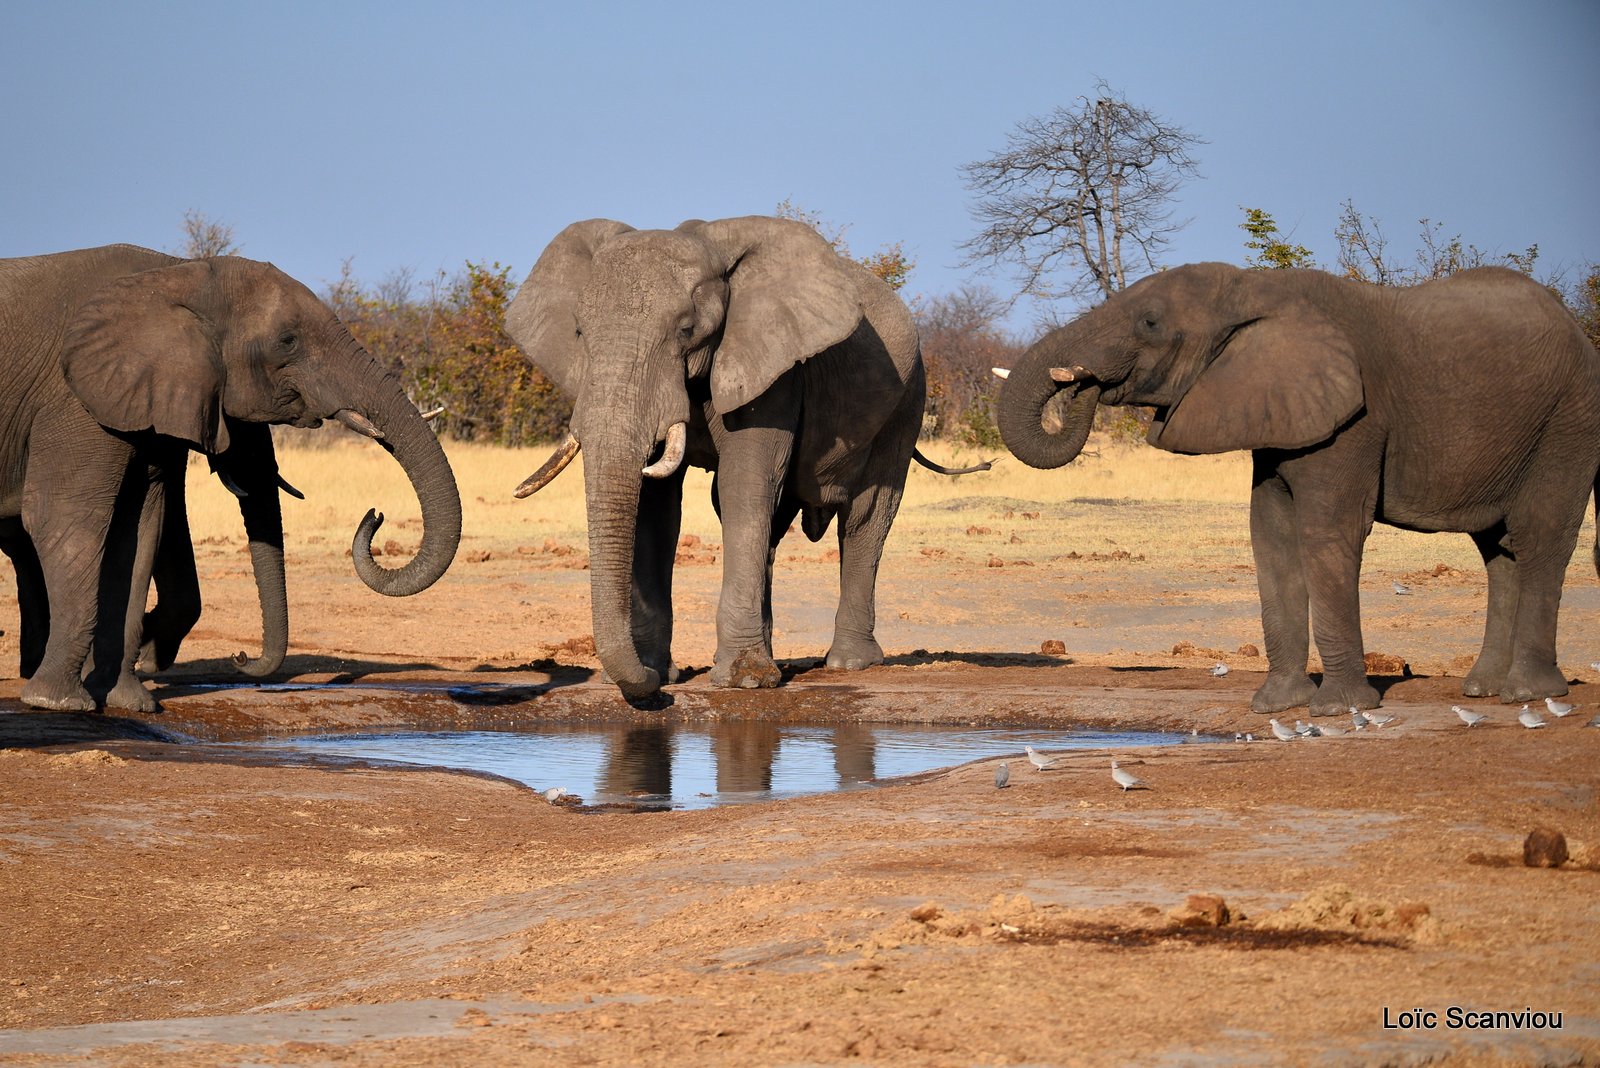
(358, 422)
(432, 413)
(672, 455)
(283, 484)
(552, 467)
(1001, 372)
(1061, 374)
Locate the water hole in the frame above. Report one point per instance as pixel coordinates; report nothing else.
(688, 766)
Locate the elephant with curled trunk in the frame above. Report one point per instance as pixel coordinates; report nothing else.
(1467, 404)
(114, 362)
(747, 347)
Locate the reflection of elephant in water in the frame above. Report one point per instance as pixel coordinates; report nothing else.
(757, 352)
(114, 361)
(1467, 404)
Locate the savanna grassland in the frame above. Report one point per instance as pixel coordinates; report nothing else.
(164, 901)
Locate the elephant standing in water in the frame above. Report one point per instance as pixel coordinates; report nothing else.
(1470, 404)
(752, 349)
(113, 362)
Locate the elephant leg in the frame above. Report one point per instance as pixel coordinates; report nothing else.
(126, 570)
(33, 603)
(863, 528)
(67, 510)
(1488, 675)
(1285, 604)
(753, 448)
(655, 548)
(1542, 550)
(177, 607)
(788, 509)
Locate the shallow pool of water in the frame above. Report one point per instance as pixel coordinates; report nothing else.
(699, 765)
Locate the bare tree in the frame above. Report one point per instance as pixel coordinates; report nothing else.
(1362, 252)
(1084, 191)
(204, 236)
(962, 338)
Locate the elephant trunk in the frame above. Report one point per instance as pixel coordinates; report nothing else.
(1042, 424)
(611, 495)
(409, 438)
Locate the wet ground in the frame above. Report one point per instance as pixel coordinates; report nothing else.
(166, 897)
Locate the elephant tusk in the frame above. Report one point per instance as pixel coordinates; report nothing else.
(1001, 372)
(358, 422)
(551, 468)
(229, 484)
(672, 455)
(1061, 374)
(432, 413)
(283, 484)
(1077, 373)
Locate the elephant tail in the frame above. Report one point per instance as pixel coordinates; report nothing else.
(1597, 523)
(916, 454)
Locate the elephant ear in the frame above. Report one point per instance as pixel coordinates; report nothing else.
(790, 296)
(139, 357)
(1283, 382)
(543, 317)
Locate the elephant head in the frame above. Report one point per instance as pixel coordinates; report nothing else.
(185, 348)
(1229, 358)
(637, 325)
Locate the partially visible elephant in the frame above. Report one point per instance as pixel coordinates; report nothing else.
(1469, 404)
(750, 348)
(113, 362)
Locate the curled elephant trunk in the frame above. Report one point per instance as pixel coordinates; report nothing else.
(397, 425)
(1047, 407)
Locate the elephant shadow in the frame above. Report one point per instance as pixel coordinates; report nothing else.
(212, 675)
(26, 728)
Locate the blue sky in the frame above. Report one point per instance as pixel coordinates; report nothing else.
(423, 135)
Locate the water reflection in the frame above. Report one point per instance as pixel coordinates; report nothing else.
(701, 764)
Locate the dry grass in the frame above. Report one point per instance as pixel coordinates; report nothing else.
(1192, 510)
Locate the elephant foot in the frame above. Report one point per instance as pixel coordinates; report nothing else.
(1525, 684)
(666, 670)
(1282, 692)
(129, 693)
(854, 654)
(147, 662)
(63, 696)
(1338, 698)
(750, 670)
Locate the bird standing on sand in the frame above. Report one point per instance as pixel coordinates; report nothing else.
(1377, 719)
(1357, 720)
(1469, 717)
(1530, 719)
(1557, 708)
(1219, 669)
(1280, 732)
(1126, 779)
(1401, 589)
(1039, 761)
(1002, 775)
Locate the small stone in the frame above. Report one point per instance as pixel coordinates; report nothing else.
(1544, 848)
(1053, 647)
(1249, 650)
(926, 912)
(1203, 910)
(1386, 664)
(995, 561)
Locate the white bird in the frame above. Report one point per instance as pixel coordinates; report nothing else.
(1530, 719)
(1039, 761)
(1249, 737)
(554, 794)
(1304, 730)
(1468, 716)
(1002, 775)
(1329, 732)
(1238, 737)
(1280, 732)
(1596, 665)
(1357, 720)
(1382, 719)
(1557, 708)
(1401, 589)
(1595, 722)
(1125, 779)
(1219, 669)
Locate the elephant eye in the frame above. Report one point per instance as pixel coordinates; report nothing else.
(287, 341)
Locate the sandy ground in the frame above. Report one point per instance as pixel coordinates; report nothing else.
(163, 902)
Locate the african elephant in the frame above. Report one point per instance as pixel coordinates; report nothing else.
(751, 349)
(1469, 404)
(113, 362)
